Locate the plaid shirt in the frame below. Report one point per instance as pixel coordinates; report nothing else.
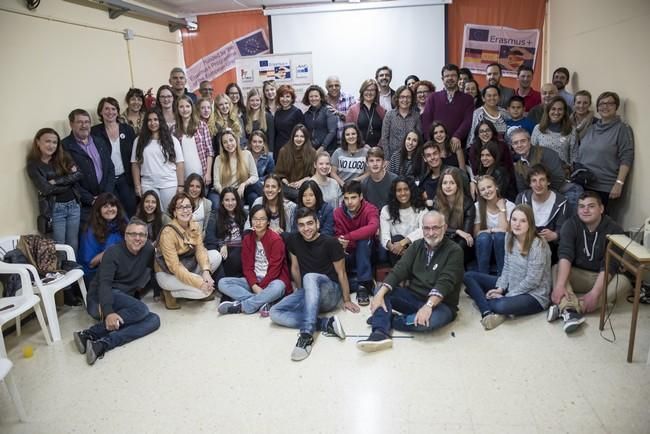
(203, 145)
(343, 105)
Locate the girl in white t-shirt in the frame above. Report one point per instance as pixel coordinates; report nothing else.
(195, 139)
(157, 160)
(491, 224)
(328, 186)
(195, 188)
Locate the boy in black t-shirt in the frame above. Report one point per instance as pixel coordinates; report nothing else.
(318, 272)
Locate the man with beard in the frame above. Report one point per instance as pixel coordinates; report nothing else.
(433, 266)
(548, 91)
(339, 101)
(493, 74)
(560, 80)
(449, 106)
(525, 90)
(384, 75)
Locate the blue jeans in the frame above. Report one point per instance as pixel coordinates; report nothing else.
(407, 303)
(489, 245)
(478, 284)
(358, 261)
(237, 288)
(214, 199)
(300, 309)
(138, 320)
(126, 194)
(65, 223)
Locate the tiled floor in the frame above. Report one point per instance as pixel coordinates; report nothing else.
(205, 373)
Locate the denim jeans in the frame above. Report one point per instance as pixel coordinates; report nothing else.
(237, 288)
(65, 223)
(214, 199)
(300, 309)
(489, 245)
(407, 303)
(478, 284)
(138, 320)
(358, 261)
(126, 194)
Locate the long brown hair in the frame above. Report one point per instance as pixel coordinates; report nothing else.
(531, 234)
(98, 225)
(565, 124)
(279, 200)
(454, 214)
(286, 159)
(61, 160)
(193, 123)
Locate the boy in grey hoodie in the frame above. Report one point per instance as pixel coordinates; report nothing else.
(581, 268)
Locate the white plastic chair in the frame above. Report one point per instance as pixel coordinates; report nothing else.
(20, 304)
(47, 291)
(10, 387)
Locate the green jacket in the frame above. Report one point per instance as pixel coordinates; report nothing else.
(444, 272)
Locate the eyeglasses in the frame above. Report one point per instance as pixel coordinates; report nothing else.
(606, 104)
(404, 97)
(432, 228)
(259, 219)
(422, 92)
(136, 234)
(183, 207)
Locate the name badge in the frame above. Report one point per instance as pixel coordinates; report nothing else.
(435, 267)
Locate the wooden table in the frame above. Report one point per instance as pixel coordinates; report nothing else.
(635, 258)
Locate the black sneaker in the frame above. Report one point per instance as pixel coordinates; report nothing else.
(572, 320)
(375, 342)
(334, 328)
(228, 307)
(363, 297)
(80, 339)
(94, 350)
(303, 347)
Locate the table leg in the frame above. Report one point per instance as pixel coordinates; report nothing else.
(635, 314)
(603, 297)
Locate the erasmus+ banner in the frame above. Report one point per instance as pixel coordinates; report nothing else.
(511, 48)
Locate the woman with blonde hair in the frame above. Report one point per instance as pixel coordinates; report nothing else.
(257, 118)
(235, 167)
(226, 118)
(270, 92)
(525, 283)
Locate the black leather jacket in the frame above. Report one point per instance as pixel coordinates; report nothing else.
(41, 173)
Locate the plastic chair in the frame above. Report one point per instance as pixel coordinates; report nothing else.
(46, 290)
(21, 304)
(10, 386)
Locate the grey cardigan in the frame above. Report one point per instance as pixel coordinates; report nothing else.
(530, 274)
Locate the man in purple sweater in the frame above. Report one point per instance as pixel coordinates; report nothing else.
(450, 106)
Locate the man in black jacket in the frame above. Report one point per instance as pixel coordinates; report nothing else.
(122, 318)
(583, 240)
(93, 158)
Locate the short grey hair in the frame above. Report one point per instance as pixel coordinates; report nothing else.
(175, 70)
(520, 130)
(136, 221)
(434, 213)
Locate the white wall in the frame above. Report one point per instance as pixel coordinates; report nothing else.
(604, 44)
(55, 59)
(353, 44)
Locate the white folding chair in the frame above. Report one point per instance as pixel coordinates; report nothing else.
(10, 386)
(46, 290)
(12, 307)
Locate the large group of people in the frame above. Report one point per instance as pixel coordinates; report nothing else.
(287, 211)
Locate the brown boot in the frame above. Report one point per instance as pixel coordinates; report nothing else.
(170, 300)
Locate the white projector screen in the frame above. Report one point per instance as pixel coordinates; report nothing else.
(353, 44)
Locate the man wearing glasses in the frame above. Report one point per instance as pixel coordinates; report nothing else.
(434, 267)
(122, 318)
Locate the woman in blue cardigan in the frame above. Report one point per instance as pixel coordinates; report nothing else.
(310, 196)
(105, 228)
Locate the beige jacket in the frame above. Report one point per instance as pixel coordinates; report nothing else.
(171, 245)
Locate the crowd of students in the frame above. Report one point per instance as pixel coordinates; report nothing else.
(286, 211)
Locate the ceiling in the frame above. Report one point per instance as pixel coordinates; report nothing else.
(202, 7)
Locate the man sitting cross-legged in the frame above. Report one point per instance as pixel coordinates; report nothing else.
(318, 271)
(122, 318)
(434, 267)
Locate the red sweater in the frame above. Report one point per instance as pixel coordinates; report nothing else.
(362, 226)
(275, 254)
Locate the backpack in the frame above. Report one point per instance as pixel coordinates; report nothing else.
(11, 282)
(40, 252)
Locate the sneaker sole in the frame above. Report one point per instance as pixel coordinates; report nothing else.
(372, 346)
(493, 322)
(363, 301)
(223, 307)
(79, 344)
(552, 314)
(573, 326)
(300, 357)
(338, 328)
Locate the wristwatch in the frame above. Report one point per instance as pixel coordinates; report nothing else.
(430, 304)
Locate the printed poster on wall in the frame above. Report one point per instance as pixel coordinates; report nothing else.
(509, 47)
